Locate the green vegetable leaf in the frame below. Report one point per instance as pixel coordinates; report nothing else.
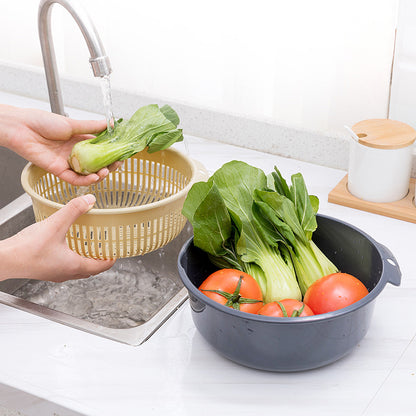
(206, 211)
(314, 203)
(284, 209)
(273, 229)
(303, 206)
(280, 184)
(162, 141)
(170, 114)
(237, 182)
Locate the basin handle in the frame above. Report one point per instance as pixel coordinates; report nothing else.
(390, 266)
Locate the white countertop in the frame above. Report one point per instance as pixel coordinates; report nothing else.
(176, 372)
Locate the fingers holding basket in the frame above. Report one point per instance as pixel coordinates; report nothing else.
(69, 213)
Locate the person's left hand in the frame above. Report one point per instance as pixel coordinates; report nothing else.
(40, 251)
(46, 139)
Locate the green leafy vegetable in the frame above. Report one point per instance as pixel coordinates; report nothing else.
(221, 214)
(150, 126)
(259, 225)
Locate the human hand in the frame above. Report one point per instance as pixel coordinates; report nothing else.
(41, 252)
(46, 139)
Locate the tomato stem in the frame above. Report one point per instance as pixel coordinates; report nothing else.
(282, 307)
(234, 300)
(296, 312)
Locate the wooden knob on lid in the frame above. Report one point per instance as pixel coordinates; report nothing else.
(384, 133)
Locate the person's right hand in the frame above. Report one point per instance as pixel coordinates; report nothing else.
(41, 252)
(46, 139)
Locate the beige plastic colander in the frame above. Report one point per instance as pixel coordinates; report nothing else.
(138, 208)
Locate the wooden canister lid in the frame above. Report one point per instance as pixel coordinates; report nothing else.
(384, 133)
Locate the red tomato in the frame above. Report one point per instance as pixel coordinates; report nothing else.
(333, 292)
(286, 308)
(233, 288)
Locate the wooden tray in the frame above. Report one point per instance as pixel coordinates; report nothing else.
(403, 210)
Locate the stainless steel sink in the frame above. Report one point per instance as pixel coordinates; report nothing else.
(89, 304)
(10, 167)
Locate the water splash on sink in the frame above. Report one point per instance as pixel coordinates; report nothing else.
(113, 304)
(123, 297)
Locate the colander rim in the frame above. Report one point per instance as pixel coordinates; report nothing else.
(123, 210)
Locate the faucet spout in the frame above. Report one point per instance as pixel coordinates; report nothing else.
(99, 61)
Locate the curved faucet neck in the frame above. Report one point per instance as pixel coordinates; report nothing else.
(99, 61)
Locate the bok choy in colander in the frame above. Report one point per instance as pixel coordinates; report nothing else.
(150, 127)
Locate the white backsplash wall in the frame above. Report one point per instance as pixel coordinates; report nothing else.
(403, 92)
(313, 66)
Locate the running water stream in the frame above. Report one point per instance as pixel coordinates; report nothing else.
(109, 116)
(107, 101)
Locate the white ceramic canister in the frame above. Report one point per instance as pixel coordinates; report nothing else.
(381, 160)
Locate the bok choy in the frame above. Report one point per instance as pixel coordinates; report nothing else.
(257, 224)
(220, 211)
(290, 213)
(150, 127)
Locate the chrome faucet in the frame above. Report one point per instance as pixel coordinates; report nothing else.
(99, 61)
